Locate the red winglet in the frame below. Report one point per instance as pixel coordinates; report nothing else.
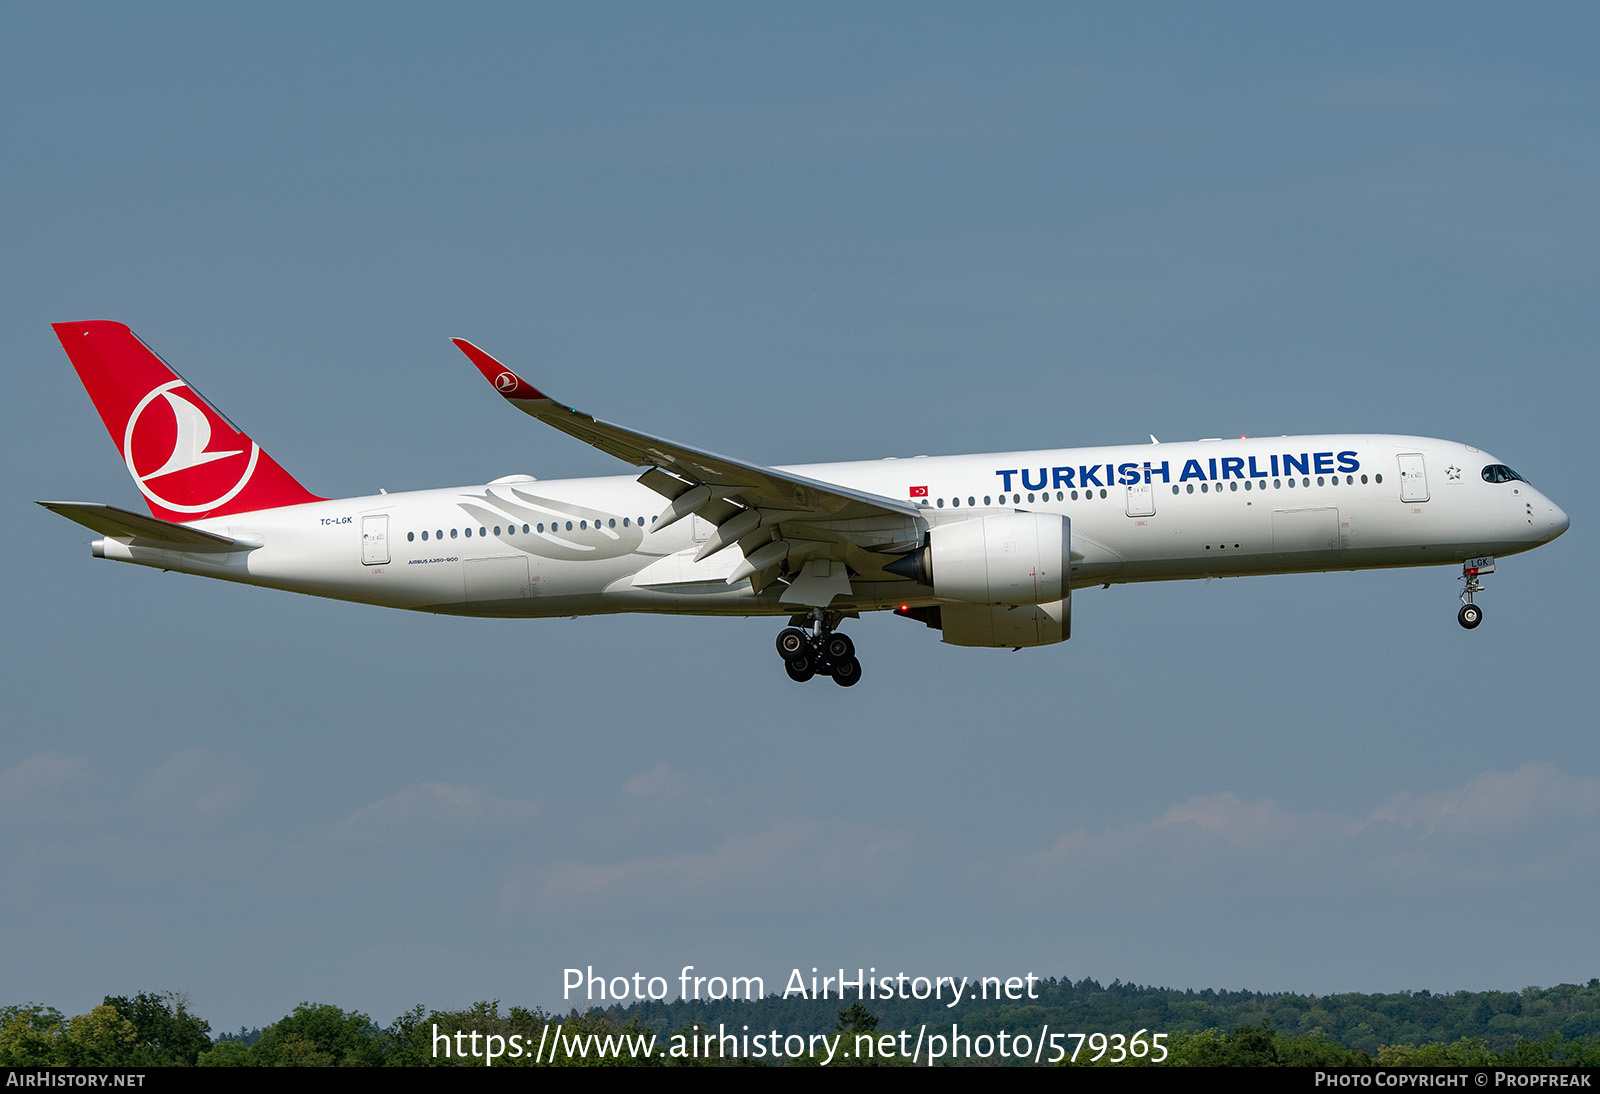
(505, 381)
(187, 460)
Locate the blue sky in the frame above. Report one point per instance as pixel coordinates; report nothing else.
(797, 235)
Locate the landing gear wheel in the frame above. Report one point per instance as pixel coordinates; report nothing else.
(799, 670)
(1469, 616)
(792, 642)
(838, 647)
(810, 648)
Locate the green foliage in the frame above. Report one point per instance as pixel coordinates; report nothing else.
(1537, 1027)
(320, 1035)
(1260, 1046)
(101, 1038)
(1467, 1052)
(422, 1038)
(856, 1019)
(28, 1035)
(226, 1054)
(34, 1036)
(167, 1034)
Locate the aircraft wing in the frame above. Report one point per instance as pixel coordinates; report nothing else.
(748, 503)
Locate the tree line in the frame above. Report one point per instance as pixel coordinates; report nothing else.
(1557, 1026)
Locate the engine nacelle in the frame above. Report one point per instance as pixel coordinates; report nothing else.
(1013, 627)
(1010, 628)
(1005, 559)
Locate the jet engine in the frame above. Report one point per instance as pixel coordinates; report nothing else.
(1006, 579)
(1005, 559)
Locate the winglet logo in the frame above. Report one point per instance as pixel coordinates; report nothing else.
(506, 381)
(155, 447)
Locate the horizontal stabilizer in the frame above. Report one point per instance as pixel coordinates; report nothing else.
(108, 520)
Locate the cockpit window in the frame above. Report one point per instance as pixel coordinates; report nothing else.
(1499, 472)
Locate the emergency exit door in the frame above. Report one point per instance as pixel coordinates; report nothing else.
(375, 541)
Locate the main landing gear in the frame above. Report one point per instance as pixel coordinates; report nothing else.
(1470, 614)
(819, 650)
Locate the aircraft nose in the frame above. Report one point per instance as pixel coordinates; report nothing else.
(1558, 519)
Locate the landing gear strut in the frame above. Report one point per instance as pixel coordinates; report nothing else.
(811, 647)
(1470, 614)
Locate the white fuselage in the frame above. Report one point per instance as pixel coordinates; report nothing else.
(521, 547)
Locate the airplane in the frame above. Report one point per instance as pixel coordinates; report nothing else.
(986, 549)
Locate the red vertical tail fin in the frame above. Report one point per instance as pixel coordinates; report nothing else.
(187, 460)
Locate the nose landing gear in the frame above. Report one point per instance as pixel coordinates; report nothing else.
(819, 651)
(1470, 614)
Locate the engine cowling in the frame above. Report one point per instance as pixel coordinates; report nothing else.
(1014, 627)
(1005, 559)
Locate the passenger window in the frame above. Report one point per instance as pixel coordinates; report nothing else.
(410, 536)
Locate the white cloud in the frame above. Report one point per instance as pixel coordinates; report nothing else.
(663, 778)
(432, 806)
(41, 773)
(794, 850)
(200, 779)
(1501, 827)
(1495, 800)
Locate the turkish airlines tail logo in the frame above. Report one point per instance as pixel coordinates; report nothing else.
(185, 437)
(186, 459)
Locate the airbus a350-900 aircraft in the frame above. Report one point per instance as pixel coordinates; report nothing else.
(986, 549)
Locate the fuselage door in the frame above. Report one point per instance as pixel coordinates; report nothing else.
(1413, 477)
(375, 540)
(1142, 500)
